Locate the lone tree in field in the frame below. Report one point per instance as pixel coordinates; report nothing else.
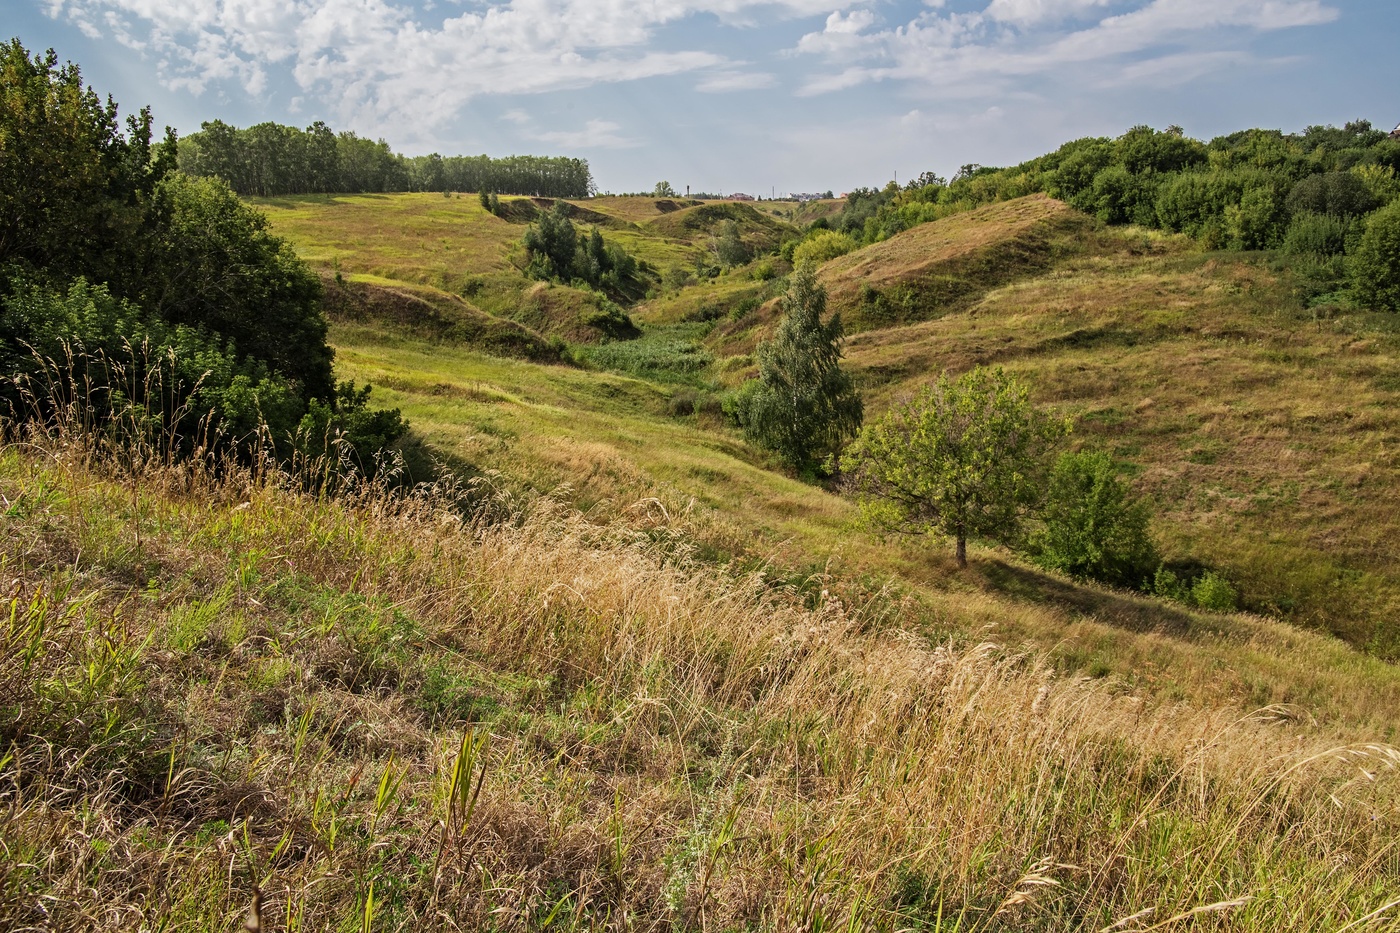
(965, 458)
(805, 407)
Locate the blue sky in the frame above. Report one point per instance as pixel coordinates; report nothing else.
(725, 95)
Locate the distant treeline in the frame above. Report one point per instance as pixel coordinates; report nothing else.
(271, 159)
(1328, 197)
(1241, 191)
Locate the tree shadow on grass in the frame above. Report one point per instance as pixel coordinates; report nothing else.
(1132, 613)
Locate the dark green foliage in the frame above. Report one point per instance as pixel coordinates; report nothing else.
(964, 458)
(552, 242)
(271, 159)
(729, 247)
(182, 384)
(72, 185)
(1090, 527)
(806, 407)
(156, 292)
(210, 261)
(1341, 194)
(345, 427)
(1320, 236)
(1375, 264)
(557, 251)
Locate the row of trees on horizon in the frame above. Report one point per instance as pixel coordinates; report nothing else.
(270, 159)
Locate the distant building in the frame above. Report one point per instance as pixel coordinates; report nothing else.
(1395, 133)
(740, 196)
(805, 196)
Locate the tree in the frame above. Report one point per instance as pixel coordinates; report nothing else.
(963, 458)
(730, 247)
(663, 189)
(805, 407)
(1375, 266)
(552, 243)
(1091, 527)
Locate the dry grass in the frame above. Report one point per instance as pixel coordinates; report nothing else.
(1264, 437)
(370, 714)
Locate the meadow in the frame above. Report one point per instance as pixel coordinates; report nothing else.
(616, 670)
(245, 707)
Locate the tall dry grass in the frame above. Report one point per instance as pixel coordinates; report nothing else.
(226, 702)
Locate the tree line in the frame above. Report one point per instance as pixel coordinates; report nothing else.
(271, 159)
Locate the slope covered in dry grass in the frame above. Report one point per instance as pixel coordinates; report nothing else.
(371, 713)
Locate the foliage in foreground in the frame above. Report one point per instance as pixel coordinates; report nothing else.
(118, 272)
(364, 713)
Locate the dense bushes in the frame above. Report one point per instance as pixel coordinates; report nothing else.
(160, 298)
(1375, 266)
(555, 250)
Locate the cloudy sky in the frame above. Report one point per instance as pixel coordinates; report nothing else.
(725, 95)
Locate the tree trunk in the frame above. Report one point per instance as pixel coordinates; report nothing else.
(962, 552)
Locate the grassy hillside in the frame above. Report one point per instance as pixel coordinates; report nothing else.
(229, 703)
(1259, 431)
(623, 673)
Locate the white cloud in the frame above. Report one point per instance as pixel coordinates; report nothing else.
(723, 81)
(596, 134)
(972, 54)
(376, 64)
(1031, 12)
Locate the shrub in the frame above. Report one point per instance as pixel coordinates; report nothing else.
(1212, 591)
(1091, 527)
(826, 245)
(1342, 194)
(1375, 265)
(1317, 235)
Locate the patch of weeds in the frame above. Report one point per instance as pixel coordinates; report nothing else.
(448, 697)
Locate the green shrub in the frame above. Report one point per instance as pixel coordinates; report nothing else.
(1212, 591)
(826, 245)
(1375, 265)
(1316, 235)
(1090, 527)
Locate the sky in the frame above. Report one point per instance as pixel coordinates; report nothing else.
(760, 96)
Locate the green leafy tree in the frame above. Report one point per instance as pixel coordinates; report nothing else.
(663, 189)
(211, 262)
(964, 458)
(1091, 527)
(1375, 265)
(730, 247)
(805, 407)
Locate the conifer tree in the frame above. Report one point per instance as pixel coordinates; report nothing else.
(805, 407)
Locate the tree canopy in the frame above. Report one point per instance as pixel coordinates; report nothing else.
(964, 458)
(112, 261)
(271, 159)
